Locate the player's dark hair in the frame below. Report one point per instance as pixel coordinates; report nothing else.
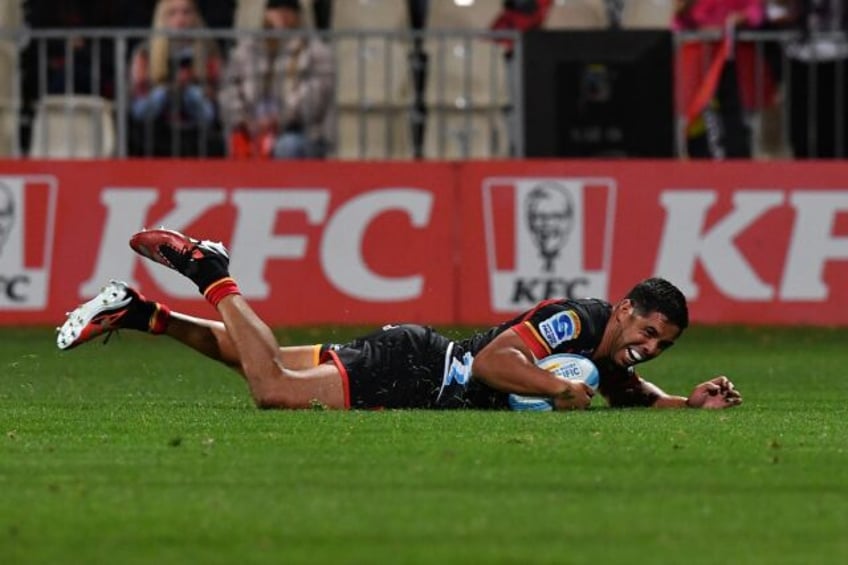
(659, 295)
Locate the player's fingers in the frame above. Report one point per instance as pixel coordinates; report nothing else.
(732, 393)
(590, 392)
(733, 400)
(722, 381)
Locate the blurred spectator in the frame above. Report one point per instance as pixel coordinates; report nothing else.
(173, 81)
(819, 80)
(718, 14)
(520, 15)
(216, 14)
(740, 82)
(278, 97)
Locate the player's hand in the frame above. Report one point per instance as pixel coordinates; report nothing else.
(578, 396)
(714, 394)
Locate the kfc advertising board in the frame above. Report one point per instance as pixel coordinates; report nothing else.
(439, 243)
(746, 242)
(310, 243)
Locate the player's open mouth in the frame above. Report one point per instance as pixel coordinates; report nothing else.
(633, 356)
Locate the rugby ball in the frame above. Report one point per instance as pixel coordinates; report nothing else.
(565, 366)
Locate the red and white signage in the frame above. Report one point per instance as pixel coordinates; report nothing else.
(439, 243)
(548, 236)
(27, 219)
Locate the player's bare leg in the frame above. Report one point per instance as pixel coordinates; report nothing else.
(272, 383)
(210, 337)
(245, 336)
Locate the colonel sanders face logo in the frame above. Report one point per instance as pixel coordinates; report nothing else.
(550, 217)
(7, 214)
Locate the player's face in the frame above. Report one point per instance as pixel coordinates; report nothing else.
(640, 337)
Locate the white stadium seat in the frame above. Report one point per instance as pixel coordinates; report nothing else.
(470, 14)
(8, 129)
(647, 14)
(11, 14)
(465, 73)
(249, 14)
(478, 134)
(369, 14)
(577, 14)
(73, 126)
(372, 71)
(384, 134)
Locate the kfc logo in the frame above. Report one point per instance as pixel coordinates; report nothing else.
(27, 206)
(547, 237)
(550, 217)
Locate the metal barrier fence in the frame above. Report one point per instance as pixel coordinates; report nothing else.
(776, 94)
(397, 95)
(403, 95)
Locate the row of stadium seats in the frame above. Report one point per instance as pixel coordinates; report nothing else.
(82, 126)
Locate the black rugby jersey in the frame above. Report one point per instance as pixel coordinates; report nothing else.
(412, 366)
(553, 326)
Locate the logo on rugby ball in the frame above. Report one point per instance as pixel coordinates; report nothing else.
(563, 365)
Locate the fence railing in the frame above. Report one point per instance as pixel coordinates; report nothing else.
(776, 94)
(399, 95)
(412, 94)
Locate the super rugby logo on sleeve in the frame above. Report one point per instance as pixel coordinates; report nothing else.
(559, 328)
(27, 216)
(546, 238)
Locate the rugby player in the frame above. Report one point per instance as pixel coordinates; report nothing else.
(408, 366)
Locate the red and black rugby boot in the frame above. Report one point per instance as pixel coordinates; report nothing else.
(204, 262)
(117, 306)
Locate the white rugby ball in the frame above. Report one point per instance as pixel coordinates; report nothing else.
(564, 365)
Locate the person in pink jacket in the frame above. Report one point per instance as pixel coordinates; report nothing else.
(717, 14)
(751, 87)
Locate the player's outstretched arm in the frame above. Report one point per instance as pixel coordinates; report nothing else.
(715, 393)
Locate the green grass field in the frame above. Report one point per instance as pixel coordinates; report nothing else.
(143, 452)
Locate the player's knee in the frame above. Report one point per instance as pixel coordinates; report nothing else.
(276, 394)
(273, 400)
(268, 403)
